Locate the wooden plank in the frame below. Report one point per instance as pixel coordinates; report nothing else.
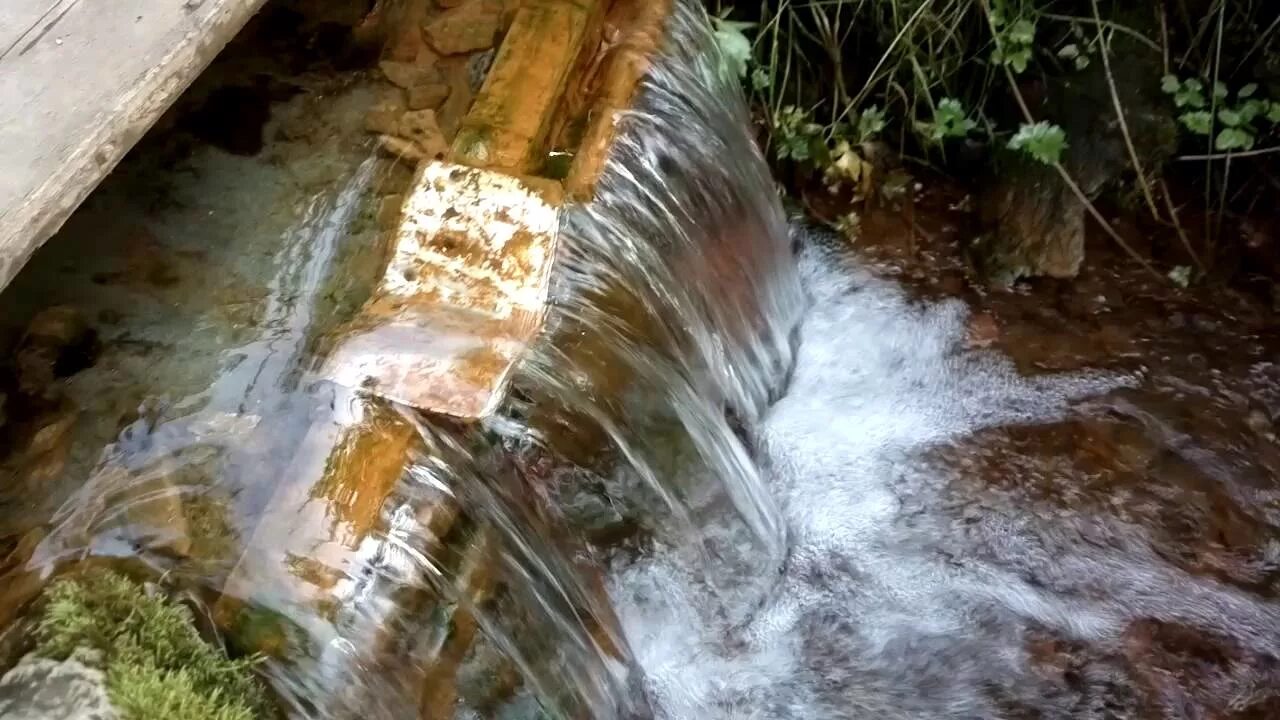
(641, 24)
(509, 122)
(80, 83)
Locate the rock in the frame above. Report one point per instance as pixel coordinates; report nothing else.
(59, 342)
(470, 26)
(983, 331)
(410, 74)
(414, 135)
(49, 437)
(428, 97)
(43, 689)
(384, 118)
(1034, 224)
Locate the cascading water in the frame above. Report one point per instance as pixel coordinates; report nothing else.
(714, 491)
(369, 543)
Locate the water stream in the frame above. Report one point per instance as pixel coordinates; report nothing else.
(743, 475)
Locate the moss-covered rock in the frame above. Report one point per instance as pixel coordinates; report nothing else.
(156, 664)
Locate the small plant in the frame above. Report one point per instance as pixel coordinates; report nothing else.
(157, 667)
(1042, 141)
(1238, 119)
(949, 121)
(734, 46)
(795, 134)
(1015, 36)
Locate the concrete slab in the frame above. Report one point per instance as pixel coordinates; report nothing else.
(80, 83)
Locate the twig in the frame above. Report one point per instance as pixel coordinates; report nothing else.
(1177, 226)
(1164, 35)
(1224, 156)
(1212, 231)
(1062, 172)
(1124, 123)
(1095, 20)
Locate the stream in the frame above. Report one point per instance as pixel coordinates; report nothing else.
(752, 469)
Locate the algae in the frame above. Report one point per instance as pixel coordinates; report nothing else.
(156, 664)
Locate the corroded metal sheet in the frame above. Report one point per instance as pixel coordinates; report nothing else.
(463, 294)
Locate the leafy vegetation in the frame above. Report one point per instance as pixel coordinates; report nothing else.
(930, 78)
(157, 666)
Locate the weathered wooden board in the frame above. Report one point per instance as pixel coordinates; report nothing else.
(80, 82)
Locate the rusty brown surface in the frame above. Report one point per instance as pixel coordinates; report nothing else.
(462, 297)
(328, 501)
(508, 126)
(633, 32)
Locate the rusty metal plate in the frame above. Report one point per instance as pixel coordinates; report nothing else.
(463, 295)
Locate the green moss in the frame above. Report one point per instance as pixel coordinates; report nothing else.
(156, 664)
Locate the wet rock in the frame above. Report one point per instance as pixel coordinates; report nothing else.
(414, 135)
(983, 331)
(470, 26)
(410, 74)
(429, 96)
(42, 689)
(59, 342)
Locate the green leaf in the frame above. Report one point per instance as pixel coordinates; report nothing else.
(1181, 276)
(1189, 94)
(1273, 112)
(1019, 59)
(1230, 118)
(1247, 91)
(1023, 32)
(1234, 139)
(734, 45)
(1170, 85)
(1220, 90)
(1251, 109)
(760, 79)
(1042, 141)
(949, 121)
(1198, 122)
(1070, 51)
(870, 123)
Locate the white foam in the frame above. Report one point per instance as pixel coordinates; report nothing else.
(892, 602)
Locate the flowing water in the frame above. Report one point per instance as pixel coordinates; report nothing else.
(744, 475)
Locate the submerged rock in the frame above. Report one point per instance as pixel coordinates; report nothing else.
(43, 689)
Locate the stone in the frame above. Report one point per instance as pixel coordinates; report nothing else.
(58, 342)
(384, 118)
(410, 74)
(470, 26)
(415, 136)
(43, 689)
(428, 97)
(1033, 223)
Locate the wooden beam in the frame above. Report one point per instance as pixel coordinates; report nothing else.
(80, 83)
